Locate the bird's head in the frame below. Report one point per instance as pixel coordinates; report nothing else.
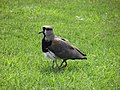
(47, 32)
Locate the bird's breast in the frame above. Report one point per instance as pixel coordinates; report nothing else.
(50, 55)
(45, 45)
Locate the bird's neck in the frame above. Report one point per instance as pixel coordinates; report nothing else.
(49, 37)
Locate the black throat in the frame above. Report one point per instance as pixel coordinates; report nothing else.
(45, 45)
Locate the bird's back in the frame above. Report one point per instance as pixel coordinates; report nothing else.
(64, 50)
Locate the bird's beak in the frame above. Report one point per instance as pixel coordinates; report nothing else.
(40, 32)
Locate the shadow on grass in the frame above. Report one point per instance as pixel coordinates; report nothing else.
(49, 69)
(71, 67)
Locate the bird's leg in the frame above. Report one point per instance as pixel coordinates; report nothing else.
(53, 64)
(56, 63)
(65, 64)
(62, 64)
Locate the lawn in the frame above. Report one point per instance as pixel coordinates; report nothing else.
(91, 25)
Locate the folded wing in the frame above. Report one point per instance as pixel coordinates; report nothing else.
(64, 50)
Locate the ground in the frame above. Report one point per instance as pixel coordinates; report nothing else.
(91, 25)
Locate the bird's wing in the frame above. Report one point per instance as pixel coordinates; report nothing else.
(64, 50)
(62, 39)
(79, 51)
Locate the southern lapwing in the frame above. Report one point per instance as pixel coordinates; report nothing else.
(58, 48)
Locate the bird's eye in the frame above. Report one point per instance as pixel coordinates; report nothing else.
(43, 28)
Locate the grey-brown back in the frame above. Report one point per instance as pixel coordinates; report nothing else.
(64, 50)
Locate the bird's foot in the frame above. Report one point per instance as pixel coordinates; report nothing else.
(63, 66)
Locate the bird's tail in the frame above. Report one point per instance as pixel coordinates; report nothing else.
(80, 58)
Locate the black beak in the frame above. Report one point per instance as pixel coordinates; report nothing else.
(40, 32)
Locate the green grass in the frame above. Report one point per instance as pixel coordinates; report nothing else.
(91, 25)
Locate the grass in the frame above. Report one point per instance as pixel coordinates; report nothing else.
(91, 25)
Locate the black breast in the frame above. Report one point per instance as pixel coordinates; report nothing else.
(45, 45)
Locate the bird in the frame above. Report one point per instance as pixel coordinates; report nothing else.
(57, 48)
